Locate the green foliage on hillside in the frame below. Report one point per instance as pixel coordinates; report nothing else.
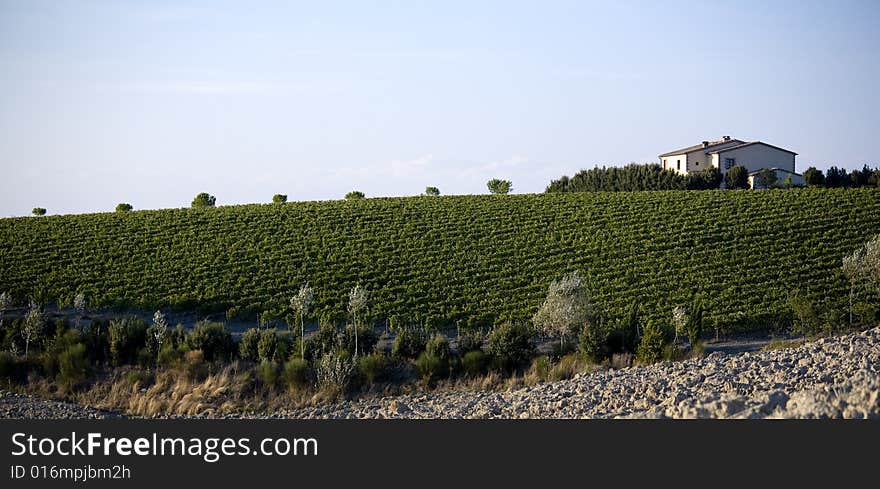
(466, 260)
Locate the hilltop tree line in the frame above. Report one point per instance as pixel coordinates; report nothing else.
(636, 177)
(204, 199)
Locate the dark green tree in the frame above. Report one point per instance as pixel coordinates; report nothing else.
(499, 187)
(814, 177)
(836, 177)
(432, 191)
(204, 199)
(708, 179)
(279, 199)
(38, 211)
(766, 178)
(123, 207)
(354, 195)
(737, 178)
(632, 177)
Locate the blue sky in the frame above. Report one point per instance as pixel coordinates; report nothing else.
(151, 102)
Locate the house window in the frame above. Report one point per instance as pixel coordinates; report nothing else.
(664, 163)
(729, 163)
(678, 165)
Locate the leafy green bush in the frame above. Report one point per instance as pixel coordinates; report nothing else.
(126, 337)
(373, 367)
(248, 345)
(73, 366)
(296, 373)
(139, 378)
(366, 339)
(433, 363)
(438, 346)
(470, 341)
(431, 368)
(322, 342)
(212, 339)
(474, 363)
(650, 349)
(268, 345)
(593, 340)
(408, 343)
(510, 345)
(335, 372)
(267, 373)
(170, 356)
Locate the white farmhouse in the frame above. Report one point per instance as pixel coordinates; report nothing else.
(727, 152)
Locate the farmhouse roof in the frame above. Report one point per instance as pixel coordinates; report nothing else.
(743, 145)
(697, 147)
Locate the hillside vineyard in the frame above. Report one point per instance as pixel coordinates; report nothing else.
(455, 260)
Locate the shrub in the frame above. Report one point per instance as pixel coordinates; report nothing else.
(592, 340)
(267, 373)
(170, 356)
(807, 321)
(433, 363)
(373, 366)
(539, 371)
(213, 339)
(139, 378)
(126, 336)
(567, 367)
(366, 339)
(296, 373)
(510, 345)
(324, 341)
(248, 346)
(194, 365)
(470, 341)
(335, 372)
(408, 344)
(438, 346)
(650, 349)
(693, 326)
(474, 363)
(73, 366)
(431, 368)
(268, 345)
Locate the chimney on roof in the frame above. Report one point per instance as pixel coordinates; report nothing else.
(705, 144)
(726, 138)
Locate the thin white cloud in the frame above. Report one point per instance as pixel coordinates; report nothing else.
(395, 168)
(511, 163)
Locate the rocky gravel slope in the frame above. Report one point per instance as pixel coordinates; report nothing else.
(14, 405)
(831, 378)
